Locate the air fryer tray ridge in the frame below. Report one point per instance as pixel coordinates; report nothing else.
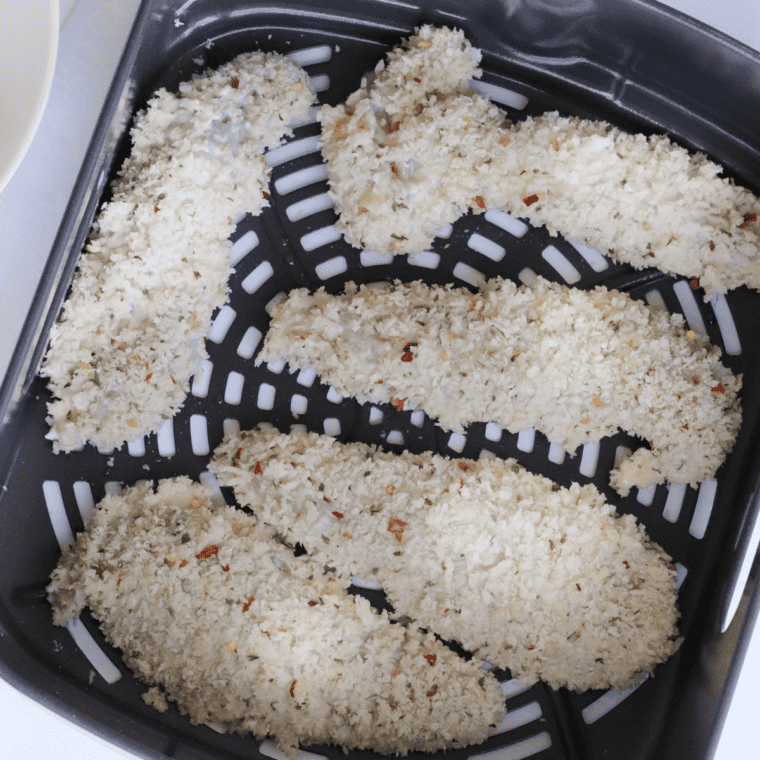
(293, 244)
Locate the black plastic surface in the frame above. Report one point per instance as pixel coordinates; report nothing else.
(631, 62)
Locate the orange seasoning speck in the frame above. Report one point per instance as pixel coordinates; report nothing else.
(398, 403)
(235, 83)
(257, 469)
(226, 569)
(407, 356)
(530, 200)
(431, 658)
(247, 605)
(694, 282)
(479, 200)
(238, 453)
(718, 388)
(209, 551)
(463, 466)
(183, 563)
(338, 515)
(396, 527)
(292, 688)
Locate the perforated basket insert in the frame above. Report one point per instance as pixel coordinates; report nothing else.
(292, 244)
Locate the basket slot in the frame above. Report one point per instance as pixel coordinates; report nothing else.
(242, 247)
(257, 277)
(445, 232)
(601, 706)
(457, 442)
(499, 94)
(469, 274)
(361, 583)
(301, 178)
(331, 268)
(519, 750)
(374, 259)
(276, 367)
(309, 206)
(527, 277)
(556, 453)
(233, 390)
(311, 55)
(222, 324)
(250, 341)
(269, 749)
(395, 437)
(681, 573)
(417, 418)
(726, 324)
(136, 447)
(298, 404)
(526, 440)
(321, 237)
(320, 83)
(593, 258)
(513, 687)
(85, 500)
(165, 439)
(426, 259)
(292, 150)
(333, 396)
(332, 426)
(202, 378)
(486, 247)
(645, 496)
(520, 716)
(51, 490)
(199, 435)
(685, 296)
(703, 508)
(589, 459)
(306, 377)
(375, 416)
(277, 299)
(560, 262)
(674, 502)
(506, 222)
(266, 396)
(90, 649)
(230, 426)
(309, 118)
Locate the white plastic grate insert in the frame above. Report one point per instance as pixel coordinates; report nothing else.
(417, 418)
(276, 367)
(332, 426)
(269, 749)
(306, 377)
(266, 396)
(513, 687)
(373, 258)
(601, 706)
(320, 83)
(333, 396)
(493, 432)
(528, 277)
(645, 496)
(556, 453)
(51, 490)
(395, 437)
(298, 404)
(230, 426)
(375, 415)
(136, 448)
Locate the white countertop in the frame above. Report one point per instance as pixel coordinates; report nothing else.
(92, 36)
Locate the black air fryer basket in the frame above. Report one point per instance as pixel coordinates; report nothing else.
(631, 62)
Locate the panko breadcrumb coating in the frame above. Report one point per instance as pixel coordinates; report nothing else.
(576, 365)
(543, 580)
(132, 332)
(222, 619)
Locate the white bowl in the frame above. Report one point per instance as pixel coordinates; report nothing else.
(28, 45)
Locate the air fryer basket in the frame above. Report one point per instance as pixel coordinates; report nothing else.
(632, 62)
